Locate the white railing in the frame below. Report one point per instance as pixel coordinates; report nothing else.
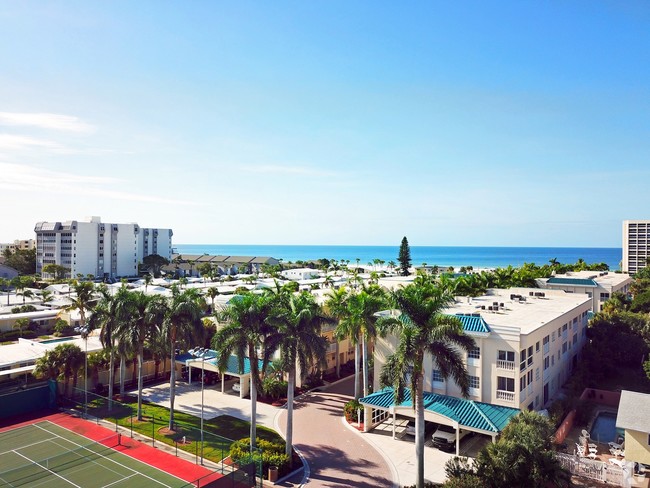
(530, 389)
(522, 395)
(546, 348)
(595, 470)
(508, 365)
(508, 396)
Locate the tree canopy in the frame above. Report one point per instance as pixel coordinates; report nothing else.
(404, 257)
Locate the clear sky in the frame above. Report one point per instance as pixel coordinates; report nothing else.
(520, 123)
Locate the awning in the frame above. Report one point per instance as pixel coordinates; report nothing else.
(22, 369)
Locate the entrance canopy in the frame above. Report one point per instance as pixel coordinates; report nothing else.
(209, 363)
(479, 417)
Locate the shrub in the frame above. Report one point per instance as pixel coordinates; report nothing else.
(313, 380)
(351, 410)
(274, 387)
(272, 454)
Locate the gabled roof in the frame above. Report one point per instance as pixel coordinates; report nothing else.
(554, 280)
(468, 413)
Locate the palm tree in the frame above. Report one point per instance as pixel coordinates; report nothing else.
(70, 359)
(246, 326)
(158, 346)
(82, 300)
(212, 293)
(183, 325)
(49, 365)
(298, 320)
(46, 296)
(21, 324)
(27, 294)
(362, 317)
(106, 317)
(336, 307)
(423, 328)
(146, 314)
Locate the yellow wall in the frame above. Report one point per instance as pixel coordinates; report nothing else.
(636, 446)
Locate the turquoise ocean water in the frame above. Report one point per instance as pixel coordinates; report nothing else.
(479, 257)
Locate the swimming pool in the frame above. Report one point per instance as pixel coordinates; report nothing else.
(54, 341)
(604, 428)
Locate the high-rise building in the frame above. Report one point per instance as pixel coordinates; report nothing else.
(100, 249)
(636, 245)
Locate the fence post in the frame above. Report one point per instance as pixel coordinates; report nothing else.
(153, 430)
(131, 424)
(196, 453)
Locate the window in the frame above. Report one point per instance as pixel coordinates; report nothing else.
(530, 355)
(530, 376)
(474, 382)
(522, 383)
(505, 384)
(474, 353)
(436, 376)
(522, 360)
(547, 363)
(564, 347)
(537, 374)
(537, 347)
(506, 356)
(553, 336)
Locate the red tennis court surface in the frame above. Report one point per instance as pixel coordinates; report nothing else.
(164, 461)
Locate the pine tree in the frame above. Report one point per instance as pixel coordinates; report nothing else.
(404, 257)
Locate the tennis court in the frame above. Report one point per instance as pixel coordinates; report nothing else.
(46, 454)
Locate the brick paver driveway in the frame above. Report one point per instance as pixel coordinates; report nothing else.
(337, 456)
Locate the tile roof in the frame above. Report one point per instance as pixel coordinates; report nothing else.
(468, 413)
(472, 323)
(212, 358)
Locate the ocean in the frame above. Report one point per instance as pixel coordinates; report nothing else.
(443, 256)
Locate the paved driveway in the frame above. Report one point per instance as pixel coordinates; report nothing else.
(337, 456)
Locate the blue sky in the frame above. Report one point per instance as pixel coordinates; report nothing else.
(454, 123)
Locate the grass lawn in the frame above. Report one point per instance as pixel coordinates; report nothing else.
(219, 433)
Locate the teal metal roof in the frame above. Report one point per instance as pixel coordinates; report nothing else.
(571, 281)
(473, 324)
(233, 362)
(468, 413)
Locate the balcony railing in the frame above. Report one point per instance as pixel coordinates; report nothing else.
(546, 348)
(522, 396)
(508, 365)
(508, 396)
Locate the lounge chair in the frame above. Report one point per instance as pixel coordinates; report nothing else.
(617, 462)
(614, 445)
(585, 434)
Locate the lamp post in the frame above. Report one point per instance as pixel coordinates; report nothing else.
(201, 352)
(84, 331)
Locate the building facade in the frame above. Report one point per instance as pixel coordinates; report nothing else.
(527, 344)
(100, 249)
(598, 285)
(636, 243)
(19, 244)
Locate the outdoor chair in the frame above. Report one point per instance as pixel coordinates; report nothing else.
(585, 434)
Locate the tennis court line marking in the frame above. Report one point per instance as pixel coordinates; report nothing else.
(5, 481)
(119, 481)
(94, 461)
(47, 469)
(108, 459)
(28, 445)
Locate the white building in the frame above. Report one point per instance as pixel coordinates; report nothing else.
(636, 245)
(599, 285)
(526, 346)
(298, 274)
(18, 244)
(100, 249)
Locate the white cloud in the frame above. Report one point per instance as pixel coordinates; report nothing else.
(46, 121)
(11, 141)
(29, 178)
(288, 170)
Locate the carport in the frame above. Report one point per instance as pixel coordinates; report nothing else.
(459, 413)
(209, 363)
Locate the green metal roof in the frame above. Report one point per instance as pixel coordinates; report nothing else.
(468, 413)
(473, 324)
(233, 363)
(571, 281)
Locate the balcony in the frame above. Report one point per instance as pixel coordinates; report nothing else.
(331, 348)
(508, 396)
(546, 348)
(507, 365)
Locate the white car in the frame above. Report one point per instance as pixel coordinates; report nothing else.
(410, 428)
(236, 387)
(444, 437)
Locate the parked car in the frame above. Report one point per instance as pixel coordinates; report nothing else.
(444, 438)
(236, 387)
(410, 428)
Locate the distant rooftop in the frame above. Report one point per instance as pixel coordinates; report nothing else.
(633, 411)
(605, 279)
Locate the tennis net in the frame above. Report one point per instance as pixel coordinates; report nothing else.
(34, 469)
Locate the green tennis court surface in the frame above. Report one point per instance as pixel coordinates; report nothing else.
(47, 455)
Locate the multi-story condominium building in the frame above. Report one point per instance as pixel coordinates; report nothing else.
(636, 245)
(599, 285)
(100, 249)
(527, 343)
(18, 244)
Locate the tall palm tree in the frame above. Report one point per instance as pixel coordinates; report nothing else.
(298, 320)
(336, 307)
(48, 366)
(212, 293)
(423, 328)
(362, 317)
(147, 281)
(158, 346)
(146, 314)
(246, 320)
(106, 317)
(182, 325)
